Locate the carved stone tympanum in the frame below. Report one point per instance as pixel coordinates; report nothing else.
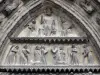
(49, 37)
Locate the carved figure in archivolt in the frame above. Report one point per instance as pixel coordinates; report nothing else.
(87, 6)
(74, 55)
(59, 55)
(12, 57)
(11, 5)
(87, 55)
(40, 55)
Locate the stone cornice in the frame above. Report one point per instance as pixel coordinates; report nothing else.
(51, 69)
(59, 40)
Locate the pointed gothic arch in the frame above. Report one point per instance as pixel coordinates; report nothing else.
(85, 24)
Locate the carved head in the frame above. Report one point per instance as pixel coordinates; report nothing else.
(55, 49)
(48, 11)
(85, 46)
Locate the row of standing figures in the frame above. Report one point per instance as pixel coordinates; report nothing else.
(51, 31)
(17, 56)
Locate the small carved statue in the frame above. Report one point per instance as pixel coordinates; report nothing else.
(40, 55)
(59, 55)
(45, 30)
(18, 56)
(22, 55)
(74, 55)
(11, 5)
(53, 28)
(67, 28)
(48, 23)
(87, 55)
(25, 53)
(86, 5)
(12, 57)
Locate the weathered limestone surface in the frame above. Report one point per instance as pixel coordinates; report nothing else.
(85, 15)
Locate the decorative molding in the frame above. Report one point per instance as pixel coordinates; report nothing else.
(49, 40)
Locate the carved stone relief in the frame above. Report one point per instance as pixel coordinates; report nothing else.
(40, 55)
(86, 5)
(59, 55)
(48, 24)
(10, 6)
(74, 55)
(68, 54)
(52, 25)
